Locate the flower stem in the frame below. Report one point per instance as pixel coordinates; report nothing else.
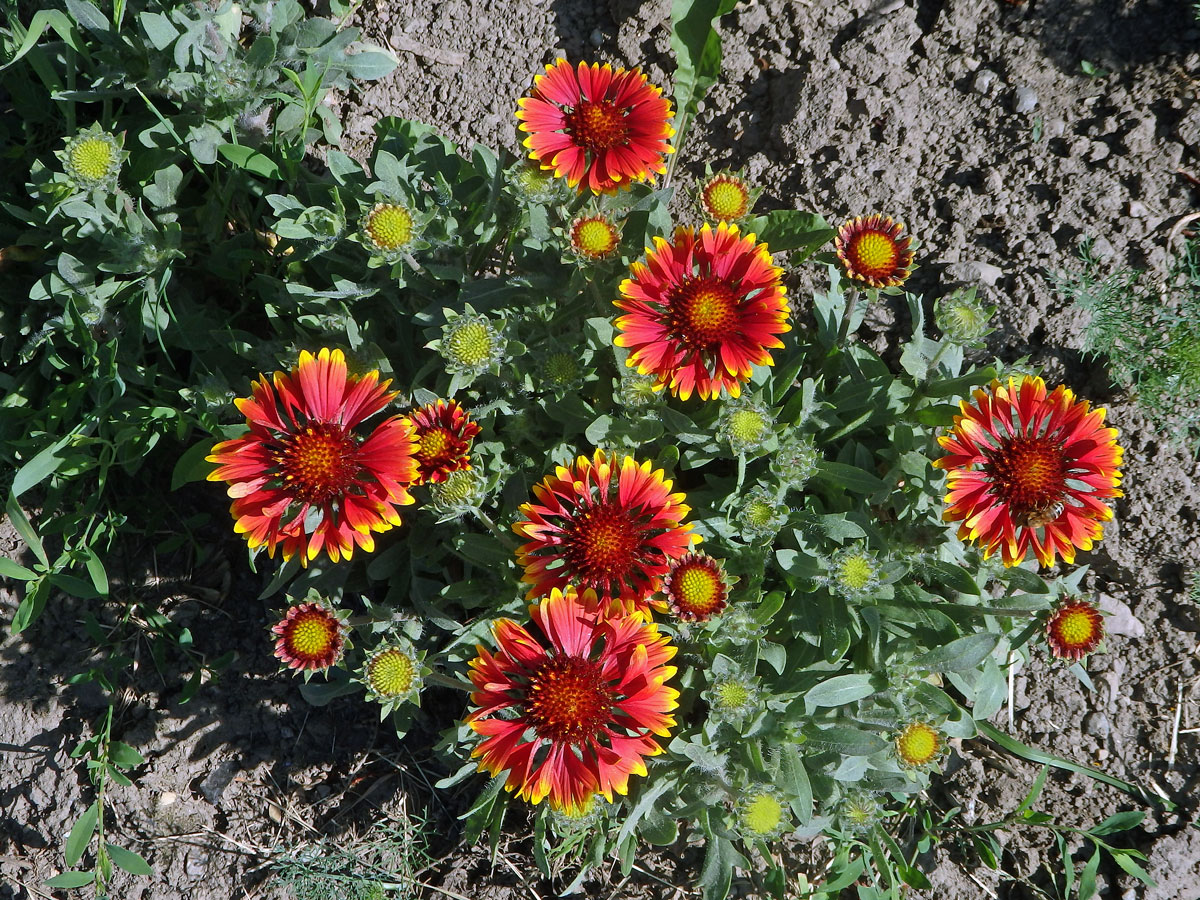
(450, 681)
(848, 314)
(491, 526)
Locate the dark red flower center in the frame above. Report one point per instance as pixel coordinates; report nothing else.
(312, 636)
(602, 543)
(598, 125)
(697, 590)
(319, 462)
(435, 445)
(568, 700)
(1027, 473)
(874, 254)
(702, 312)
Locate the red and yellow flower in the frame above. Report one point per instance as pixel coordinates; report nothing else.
(695, 588)
(572, 709)
(302, 480)
(725, 197)
(595, 237)
(1027, 470)
(875, 251)
(311, 637)
(600, 128)
(703, 310)
(605, 524)
(444, 434)
(1074, 629)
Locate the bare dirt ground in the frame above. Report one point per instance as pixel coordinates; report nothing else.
(972, 120)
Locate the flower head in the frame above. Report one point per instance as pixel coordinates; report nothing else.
(761, 814)
(725, 197)
(860, 811)
(311, 637)
(387, 229)
(732, 697)
(795, 462)
(392, 674)
(962, 318)
(1074, 629)
(595, 237)
(562, 371)
(761, 515)
(599, 128)
(875, 251)
(444, 433)
(607, 524)
(572, 709)
(695, 588)
(470, 344)
(534, 183)
(92, 158)
(702, 311)
(1030, 470)
(458, 494)
(745, 426)
(853, 573)
(918, 745)
(302, 480)
(637, 391)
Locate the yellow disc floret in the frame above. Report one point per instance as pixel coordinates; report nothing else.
(918, 744)
(388, 227)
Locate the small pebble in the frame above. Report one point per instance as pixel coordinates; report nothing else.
(1137, 209)
(1024, 100)
(1120, 618)
(1102, 248)
(197, 863)
(985, 81)
(1097, 725)
(1097, 151)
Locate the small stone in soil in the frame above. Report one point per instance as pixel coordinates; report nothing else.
(985, 80)
(1120, 618)
(214, 785)
(1096, 724)
(1024, 100)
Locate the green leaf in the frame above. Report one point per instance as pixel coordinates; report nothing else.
(793, 779)
(952, 576)
(1087, 876)
(852, 478)
(1125, 861)
(44, 19)
(845, 740)
(838, 691)
(159, 29)
(960, 655)
(371, 65)
(1122, 821)
(191, 465)
(10, 569)
(697, 49)
(716, 873)
(68, 880)
(25, 529)
(42, 466)
(88, 16)
(991, 689)
(128, 860)
(31, 606)
(123, 756)
(81, 834)
(250, 159)
(791, 229)
(1012, 745)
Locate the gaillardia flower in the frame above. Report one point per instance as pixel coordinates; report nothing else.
(92, 158)
(595, 237)
(854, 573)
(606, 524)
(745, 425)
(311, 637)
(875, 251)
(302, 480)
(470, 344)
(761, 514)
(387, 228)
(762, 814)
(600, 129)
(702, 311)
(392, 674)
(918, 745)
(1074, 629)
(570, 711)
(725, 197)
(1030, 470)
(695, 588)
(733, 696)
(444, 433)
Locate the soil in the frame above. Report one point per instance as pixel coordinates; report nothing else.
(972, 120)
